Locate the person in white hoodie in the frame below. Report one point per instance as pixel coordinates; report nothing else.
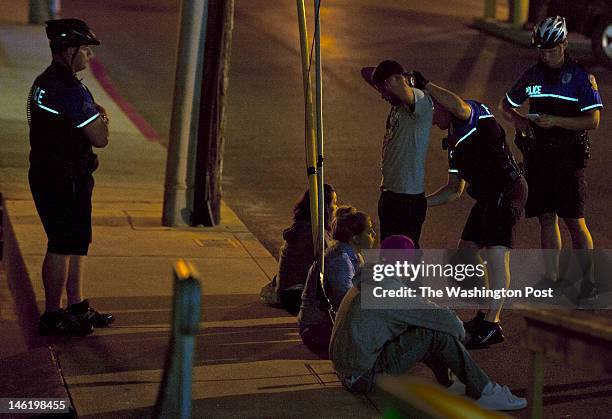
(366, 342)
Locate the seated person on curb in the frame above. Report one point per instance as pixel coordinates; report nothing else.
(353, 232)
(366, 342)
(478, 154)
(297, 254)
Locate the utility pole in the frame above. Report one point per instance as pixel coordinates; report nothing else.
(179, 183)
(210, 138)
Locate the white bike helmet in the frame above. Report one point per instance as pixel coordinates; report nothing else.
(549, 33)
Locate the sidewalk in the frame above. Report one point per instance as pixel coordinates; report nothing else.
(249, 361)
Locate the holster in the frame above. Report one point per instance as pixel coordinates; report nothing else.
(83, 166)
(524, 143)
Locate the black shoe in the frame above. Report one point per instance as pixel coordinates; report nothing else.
(86, 315)
(477, 320)
(485, 334)
(62, 323)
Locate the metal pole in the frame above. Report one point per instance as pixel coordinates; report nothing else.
(310, 128)
(320, 249)
(180, 170)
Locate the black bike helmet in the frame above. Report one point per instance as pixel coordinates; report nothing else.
(66, 33)
(549, 33)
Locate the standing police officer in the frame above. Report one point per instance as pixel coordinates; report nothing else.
(65, 123)
(563, 104)
(478, 154)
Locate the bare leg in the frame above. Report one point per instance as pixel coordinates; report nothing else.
(498, 268)
(581, 236)
(54, 275)
(74, 290)
(550, 240)
(583, 242)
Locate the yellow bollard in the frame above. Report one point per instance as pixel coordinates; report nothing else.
(520, 13)
(311, 144)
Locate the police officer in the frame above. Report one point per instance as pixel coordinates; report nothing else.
(65, 123)
(563, 104)
(478, 154)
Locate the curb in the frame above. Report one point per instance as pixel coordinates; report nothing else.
(101, 75)
(503, 30)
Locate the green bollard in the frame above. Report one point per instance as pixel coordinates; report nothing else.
(174, 397)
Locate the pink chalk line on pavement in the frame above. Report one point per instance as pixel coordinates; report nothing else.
(102, 76)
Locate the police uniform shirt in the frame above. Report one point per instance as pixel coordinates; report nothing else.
(568, 91)
(477, 151)
(60, 106)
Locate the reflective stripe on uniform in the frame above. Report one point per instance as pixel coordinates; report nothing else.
(465, 136)
(597, 105)
(571, 99)
(81, 125)
(516, 105)
(47, 109)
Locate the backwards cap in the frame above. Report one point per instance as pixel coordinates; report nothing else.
(386, 69)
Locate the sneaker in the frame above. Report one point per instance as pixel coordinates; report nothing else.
(496, 397)
(484, 334)
(62, 323)
(471, 324)
(86, 315)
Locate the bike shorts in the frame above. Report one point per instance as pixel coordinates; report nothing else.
(561, 191)
(493, 222)
(64, 207)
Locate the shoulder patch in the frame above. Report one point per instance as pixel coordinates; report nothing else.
(593, 82)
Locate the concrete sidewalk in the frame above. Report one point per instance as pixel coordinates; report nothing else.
(250, 360)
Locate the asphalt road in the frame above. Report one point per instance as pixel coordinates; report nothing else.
(264, 170)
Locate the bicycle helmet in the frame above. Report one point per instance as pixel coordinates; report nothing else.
(66, 33)
(549, 33)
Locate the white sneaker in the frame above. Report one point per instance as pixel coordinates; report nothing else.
(457, 388)
(496, 397)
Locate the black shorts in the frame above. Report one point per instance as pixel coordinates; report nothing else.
(64, 207)
(401, 214)
(492, 222)
(557, 189)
